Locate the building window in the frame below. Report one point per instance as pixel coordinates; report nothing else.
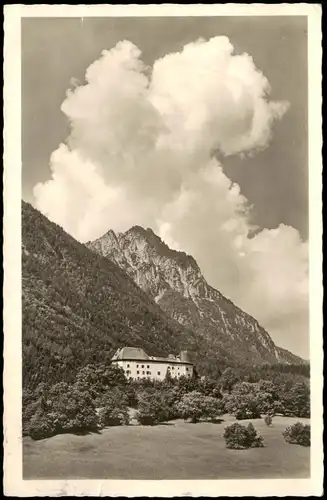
(143, 373)
(127, 365)
(148, 373)
(137, 366)
(128, 372)
(186, 369)
(137, 372)
(158, 373)
(173, 367)
(142, 366)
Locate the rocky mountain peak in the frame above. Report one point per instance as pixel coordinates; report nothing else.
(174, 280)
(156, 245)
(154, 266)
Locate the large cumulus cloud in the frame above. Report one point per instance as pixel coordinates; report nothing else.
(141, 151)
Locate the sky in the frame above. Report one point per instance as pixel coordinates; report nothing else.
(196, 127)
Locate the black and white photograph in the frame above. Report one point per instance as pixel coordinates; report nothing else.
(165, 326)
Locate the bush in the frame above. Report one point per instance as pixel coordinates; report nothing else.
(268, 420)
(298, 434)
(241, 437)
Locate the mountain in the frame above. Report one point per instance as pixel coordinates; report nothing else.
(174, 280)
(79, 307)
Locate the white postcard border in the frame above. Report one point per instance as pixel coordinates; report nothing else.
(13, 483)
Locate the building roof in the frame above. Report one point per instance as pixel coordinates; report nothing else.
(130, 353)
(138, 354)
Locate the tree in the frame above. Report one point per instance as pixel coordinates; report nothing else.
(210, 387)
(114, 410)
(66, 409)
(151, 409)
(98, 379)
(296, 401)
(168, 380)
(228, 379)
(267, 395)
(185, 385)
(195, 406)
(40, 426)
(243, 401)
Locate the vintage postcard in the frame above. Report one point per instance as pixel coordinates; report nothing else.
(162, 250)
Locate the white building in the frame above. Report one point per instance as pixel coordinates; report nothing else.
(137, 364)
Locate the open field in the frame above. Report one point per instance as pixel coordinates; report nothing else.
(176, 450)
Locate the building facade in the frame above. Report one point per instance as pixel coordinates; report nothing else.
(137, 364)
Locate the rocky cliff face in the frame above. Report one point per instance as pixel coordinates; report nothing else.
(174, 280)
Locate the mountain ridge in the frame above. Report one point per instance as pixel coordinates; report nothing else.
(174, 280)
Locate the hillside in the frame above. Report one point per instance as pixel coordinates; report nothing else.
(173, 279)
(79, 307)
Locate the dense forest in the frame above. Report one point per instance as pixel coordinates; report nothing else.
(78, 308)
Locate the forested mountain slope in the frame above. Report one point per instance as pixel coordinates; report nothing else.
(79, 307)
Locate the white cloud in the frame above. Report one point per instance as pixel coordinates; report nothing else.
(139, 152)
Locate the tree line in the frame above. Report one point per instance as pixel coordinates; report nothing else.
(100, 396)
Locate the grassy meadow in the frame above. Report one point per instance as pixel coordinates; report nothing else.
(174, 450)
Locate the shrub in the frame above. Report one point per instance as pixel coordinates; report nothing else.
(240, 437)
(298, 434)
(268, 420)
